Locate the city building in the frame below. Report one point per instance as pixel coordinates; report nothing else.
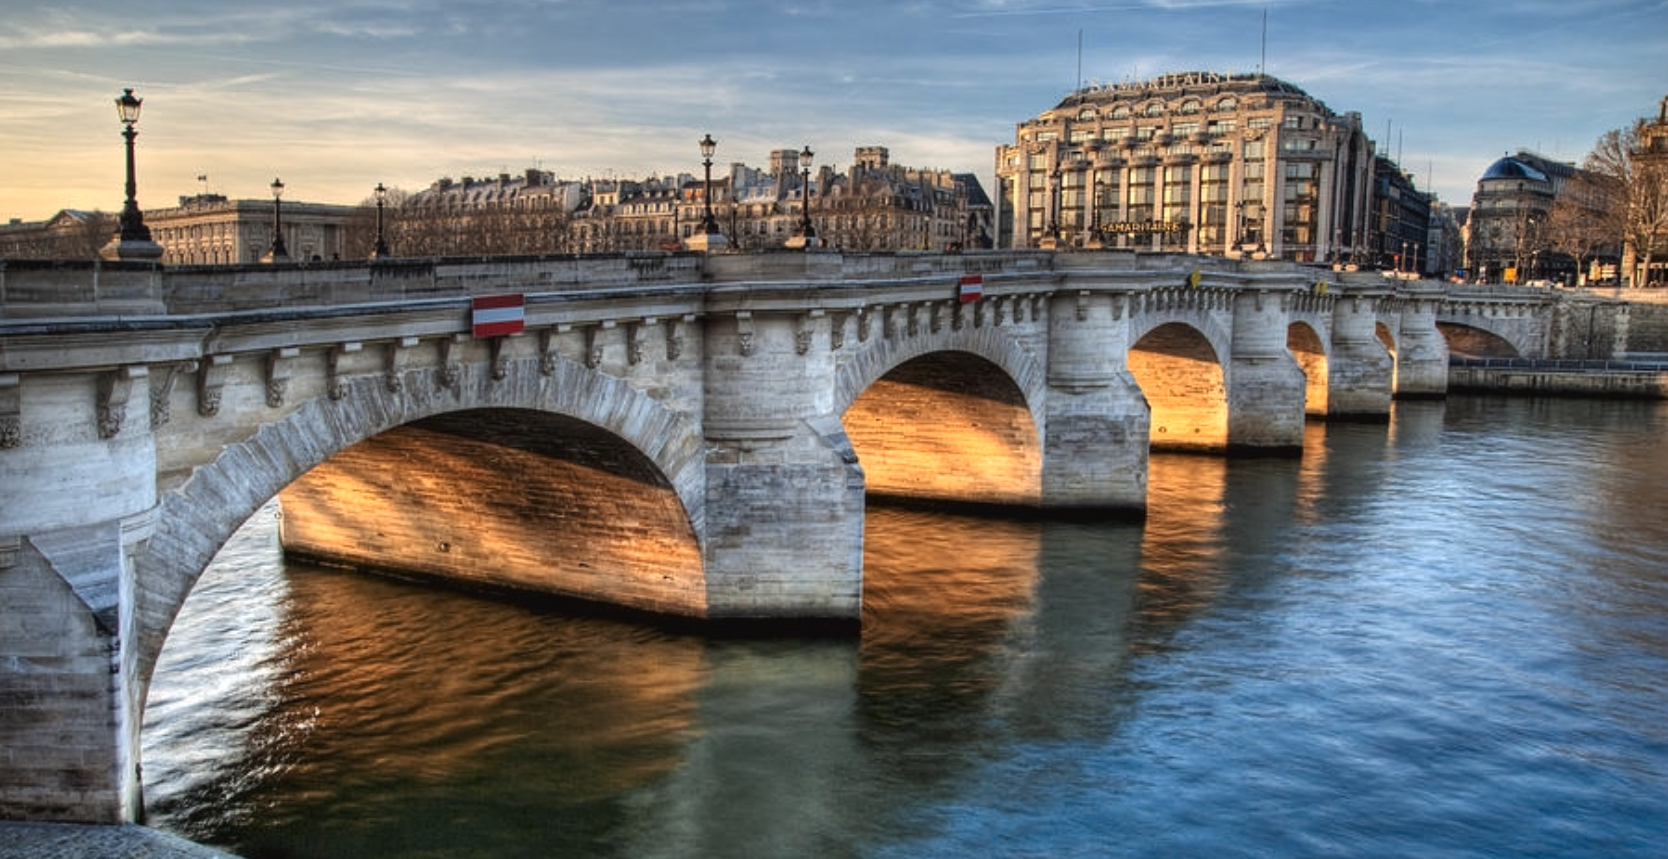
(204, 229)
(209, 229)
(875, 206)
(1199, 162)
(1508, 240)
(1399, 233)
(1646, 255)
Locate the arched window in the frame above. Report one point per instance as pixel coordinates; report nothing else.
(1226, 105)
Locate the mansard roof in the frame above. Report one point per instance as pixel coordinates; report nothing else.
(1200, 84)
(1511, 168)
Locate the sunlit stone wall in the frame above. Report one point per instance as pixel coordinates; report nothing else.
(504, 500)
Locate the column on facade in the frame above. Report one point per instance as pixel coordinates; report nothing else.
(1274, 189)
(1196, 205)
(1326, 215)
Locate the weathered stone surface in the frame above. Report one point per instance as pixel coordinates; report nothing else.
(685, 434)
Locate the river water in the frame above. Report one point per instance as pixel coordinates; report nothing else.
(1442, 637)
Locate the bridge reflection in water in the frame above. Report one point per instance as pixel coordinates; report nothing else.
(1315, 655)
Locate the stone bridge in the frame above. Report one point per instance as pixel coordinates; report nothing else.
(680, 434)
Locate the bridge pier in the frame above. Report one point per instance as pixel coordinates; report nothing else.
(1421, 353)
(1359, 366)
(1096, 420)
(79, 495)
(782, 533)
(1266, 386)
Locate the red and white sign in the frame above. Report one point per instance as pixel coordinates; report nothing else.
(972, 287)
(498, 315)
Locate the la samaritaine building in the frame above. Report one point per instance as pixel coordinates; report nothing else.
(1228, 164)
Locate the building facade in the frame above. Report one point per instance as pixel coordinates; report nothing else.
(1508, 240)
(1197, 162)
(208, 229)
(1399, 234)
(1645, 256)
(874, 206)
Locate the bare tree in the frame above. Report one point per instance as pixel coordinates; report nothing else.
(1583, 222)
(1640, 213)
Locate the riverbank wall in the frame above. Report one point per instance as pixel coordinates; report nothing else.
(1638, 377)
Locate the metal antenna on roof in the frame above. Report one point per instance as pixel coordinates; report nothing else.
(1262, 64)
(1079, 82)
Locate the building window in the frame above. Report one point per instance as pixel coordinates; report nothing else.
(1120, 112)
(1154, 109)
(1190, 106)
(1227, 105)
(1219, 127)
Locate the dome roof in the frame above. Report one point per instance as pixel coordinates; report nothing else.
(1511, 168)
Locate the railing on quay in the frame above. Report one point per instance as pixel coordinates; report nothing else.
(1639, 362)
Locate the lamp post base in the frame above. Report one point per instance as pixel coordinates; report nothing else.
(707, 242)
(141, 250)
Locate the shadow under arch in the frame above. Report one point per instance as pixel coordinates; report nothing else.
(505, 500)
(1387, 336)
(947, 429)
(1465, 341)
(197, 517)
(1180, 372)
(1305, 345)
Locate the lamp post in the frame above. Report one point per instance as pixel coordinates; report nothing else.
(277, 253)
(807, 233)
(381, 249)
(709, 238)
(709, 224)
(1053, 236)
(134, 239)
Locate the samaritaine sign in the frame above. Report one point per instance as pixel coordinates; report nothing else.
(1145, 227)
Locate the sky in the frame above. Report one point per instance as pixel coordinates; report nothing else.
(336, 96)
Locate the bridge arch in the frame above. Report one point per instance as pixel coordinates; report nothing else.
(918, 409)
(1472, 342)
(195, 519)
(1309, 348)
(1180, 371)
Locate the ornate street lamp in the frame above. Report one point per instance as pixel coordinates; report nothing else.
(709, 238)
(807, 233)
(381, 249)
(134, 240)
(709, 224)
(278, 252)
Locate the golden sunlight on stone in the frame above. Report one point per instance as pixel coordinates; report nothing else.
(503, 500)
(948, 427)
